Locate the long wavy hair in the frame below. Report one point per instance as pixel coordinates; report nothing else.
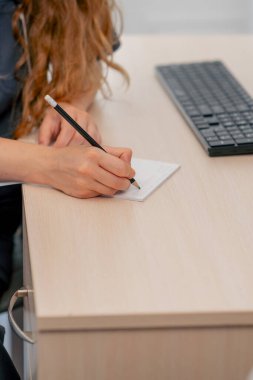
(74, 38)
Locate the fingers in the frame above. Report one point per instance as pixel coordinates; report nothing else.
(49, 128)
(83, 193)
(110, 182)
(56, 129)
(100, 188)
(115, 163)
(105, 173)
(124, 154)
(94, 132)
(65, 136)
(87, 123)
(69, 136)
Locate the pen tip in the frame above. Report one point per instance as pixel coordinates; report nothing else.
(135, 183)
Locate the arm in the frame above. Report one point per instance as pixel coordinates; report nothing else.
(78, 171)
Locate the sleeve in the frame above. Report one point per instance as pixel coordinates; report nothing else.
(10, 52)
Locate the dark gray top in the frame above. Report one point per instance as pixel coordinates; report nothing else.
(10, 51)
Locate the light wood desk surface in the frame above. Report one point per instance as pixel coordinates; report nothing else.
(184, 257)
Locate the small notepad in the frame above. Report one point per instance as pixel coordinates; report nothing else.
(149, 175)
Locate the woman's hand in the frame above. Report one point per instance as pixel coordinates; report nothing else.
(86, 172)
(57, 131)
(79, 171)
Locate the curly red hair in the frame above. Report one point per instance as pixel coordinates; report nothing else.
(75, 38)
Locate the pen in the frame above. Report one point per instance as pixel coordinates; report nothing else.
(79, 129)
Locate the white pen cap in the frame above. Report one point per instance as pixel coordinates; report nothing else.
(50, 101)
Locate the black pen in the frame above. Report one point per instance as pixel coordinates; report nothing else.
(79, 129)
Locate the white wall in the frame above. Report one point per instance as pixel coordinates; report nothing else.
(187, 16)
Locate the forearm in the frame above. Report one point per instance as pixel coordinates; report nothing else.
(23, 162)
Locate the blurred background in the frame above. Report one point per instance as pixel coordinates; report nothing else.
(187, 16)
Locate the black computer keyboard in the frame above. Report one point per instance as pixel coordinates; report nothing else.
(215, 105)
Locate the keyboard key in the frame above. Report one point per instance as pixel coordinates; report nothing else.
(205, 110)
(217, 109)
(246, 127)
(221, 143)
(214, 138)
(208, 133)
(192, 111)
(225, 137)
(219, 129)
(237, 135)
(241, 123)
(230, 109)
(203, 126)
(243, 141)
(215, 143)
(242, 107)
(211, 119)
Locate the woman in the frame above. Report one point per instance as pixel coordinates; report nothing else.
(56, 47)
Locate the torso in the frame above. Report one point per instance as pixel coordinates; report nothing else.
(9, 54)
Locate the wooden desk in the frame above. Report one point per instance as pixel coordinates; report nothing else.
(156, 290)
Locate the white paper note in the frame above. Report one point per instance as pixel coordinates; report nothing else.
(149, 175)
